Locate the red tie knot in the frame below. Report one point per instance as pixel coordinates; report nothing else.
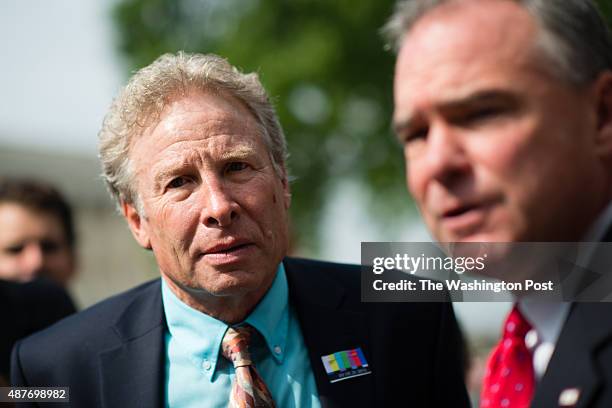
(516, 325)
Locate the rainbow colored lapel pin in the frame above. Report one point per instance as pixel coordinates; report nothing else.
(346, 364)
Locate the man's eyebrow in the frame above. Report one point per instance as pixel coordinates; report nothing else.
(238, 153)
(166, 173)
(478, 98)
(167, 170)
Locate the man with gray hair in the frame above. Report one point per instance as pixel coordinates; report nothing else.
(504, 112)
(195, 157)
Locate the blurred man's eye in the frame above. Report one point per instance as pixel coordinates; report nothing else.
(49, 246)
(14, 250)
(484, 113)
(480, 115)
(417, 134)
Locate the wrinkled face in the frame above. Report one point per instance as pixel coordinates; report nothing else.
(215, 211)
(32, 244)
(496, 148)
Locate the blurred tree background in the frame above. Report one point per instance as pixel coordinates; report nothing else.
(606, 8)
(324, 64)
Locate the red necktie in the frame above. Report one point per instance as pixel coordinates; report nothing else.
(509, 379)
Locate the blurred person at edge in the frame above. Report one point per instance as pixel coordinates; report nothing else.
(37, 236)
(193, 152)
(504, 112)
(36, 257)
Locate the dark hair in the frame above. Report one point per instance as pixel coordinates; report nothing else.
(39, 197)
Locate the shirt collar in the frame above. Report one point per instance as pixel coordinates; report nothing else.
(600, 226)
(271, 316)
(200, 335)
(595, 234)
(547, 318)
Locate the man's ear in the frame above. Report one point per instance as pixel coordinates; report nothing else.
(286, 190)
(138, 225)
(603, 96)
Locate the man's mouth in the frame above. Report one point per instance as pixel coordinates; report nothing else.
(228, 251)
(226, 248)
(458, 211)
(464, 219)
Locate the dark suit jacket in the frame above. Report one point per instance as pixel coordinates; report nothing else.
(112, 355)
(583, 355)
(26, 308)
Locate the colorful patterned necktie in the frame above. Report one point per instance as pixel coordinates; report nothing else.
(248, 389)
(509, 379)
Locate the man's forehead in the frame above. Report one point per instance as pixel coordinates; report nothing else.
(16, 219)
(205, 111)
(459, 49)
(199, 118)
(465, 26)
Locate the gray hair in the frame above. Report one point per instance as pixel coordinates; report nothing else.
(150, 89)
(574, 34)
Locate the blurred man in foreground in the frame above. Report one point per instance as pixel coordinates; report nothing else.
(194, 154)
(504, 110)
(36, 248)
(26, 308)
(37, 236)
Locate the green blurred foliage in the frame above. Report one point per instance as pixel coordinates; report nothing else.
(324, 64)
(326, 69)
(606, 8)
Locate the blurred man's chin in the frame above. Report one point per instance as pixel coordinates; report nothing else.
(491, 234)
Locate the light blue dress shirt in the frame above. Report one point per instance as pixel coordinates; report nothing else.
(197, 374)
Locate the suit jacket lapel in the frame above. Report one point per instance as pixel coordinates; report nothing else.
(328, 328)
(133, 372)
(573, 363)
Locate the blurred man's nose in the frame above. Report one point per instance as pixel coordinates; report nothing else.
(445, 156)
(32, 259)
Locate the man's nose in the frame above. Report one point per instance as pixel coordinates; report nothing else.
(33, 259)
(446, 158)
(220, 208)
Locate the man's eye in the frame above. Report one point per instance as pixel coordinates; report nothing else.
(236, 166)
(14, 250)
(482, 114)
(178, 182)
(49, 246)
(417, 134)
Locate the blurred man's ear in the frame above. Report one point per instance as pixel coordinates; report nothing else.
(603, 95)
(138, 225)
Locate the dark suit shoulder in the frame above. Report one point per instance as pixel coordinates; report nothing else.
(322, 265)
(339, 272)
(311, 275)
